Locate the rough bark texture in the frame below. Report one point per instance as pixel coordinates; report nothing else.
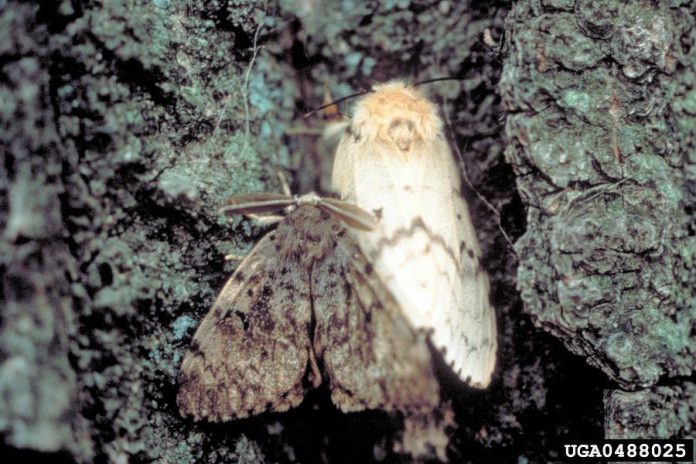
(125, 124)
(601, 125)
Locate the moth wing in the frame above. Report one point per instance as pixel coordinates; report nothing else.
(251, 351)
(471, 333)
(425, 248)
(465, 328)
(371, 355)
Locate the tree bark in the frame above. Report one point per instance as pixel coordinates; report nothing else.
(126, 124)
(601, 130)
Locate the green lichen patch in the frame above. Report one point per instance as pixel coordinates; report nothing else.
(659, 412)
(600, 169)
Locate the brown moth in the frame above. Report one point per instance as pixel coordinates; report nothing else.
(303, 308)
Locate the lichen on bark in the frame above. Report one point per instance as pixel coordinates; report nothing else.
(602, 150)
(601, 167)
(37, 382)
(122, 136)
(125, 124)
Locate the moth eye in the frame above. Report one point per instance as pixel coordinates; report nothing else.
(353, 132)
(402, 131)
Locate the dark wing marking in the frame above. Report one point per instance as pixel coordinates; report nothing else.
(371, 356)
(251, 351)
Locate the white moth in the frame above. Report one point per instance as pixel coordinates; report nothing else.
(394, 161)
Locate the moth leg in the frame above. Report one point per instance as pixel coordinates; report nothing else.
(269, 220)
(303, 130)
(284, 184)
(233, 257)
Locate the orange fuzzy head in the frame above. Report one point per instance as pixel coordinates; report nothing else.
(395, 113)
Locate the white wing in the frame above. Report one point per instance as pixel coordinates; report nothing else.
(425, 249)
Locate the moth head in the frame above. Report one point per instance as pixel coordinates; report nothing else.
(397, 114)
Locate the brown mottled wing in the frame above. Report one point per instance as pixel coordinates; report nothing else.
(250, 353)
(371, 355)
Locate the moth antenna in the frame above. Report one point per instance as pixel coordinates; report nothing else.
(332, 112)
(256, 203)
(336, 102)
(438, 79)
(348, 213)
(352, 215)
(364, 92)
